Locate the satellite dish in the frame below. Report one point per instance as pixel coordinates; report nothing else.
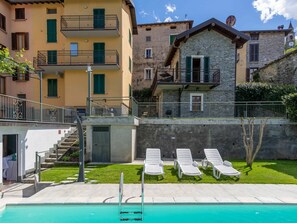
(231, 20)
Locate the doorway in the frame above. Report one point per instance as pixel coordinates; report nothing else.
(10, 157)
(196, 69)
(101, 144)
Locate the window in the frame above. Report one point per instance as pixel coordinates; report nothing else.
(52, 56)
(51, 30)
(51, 11)
(99, 84)
(255, 36)
(148, 73)
(172, 27)
(21, 76)
(148, 39)
(172, 38)
(2, 22)
(148, 53)
(254, 52)
(130, 37)
(196, 102)
(2, 85)
(130, 64)
(74, 49)
(52, 87)
(148, 29)
(20, 41)
(19, 13)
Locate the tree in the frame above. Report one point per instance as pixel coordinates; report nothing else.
(8, 64)
(248, 138)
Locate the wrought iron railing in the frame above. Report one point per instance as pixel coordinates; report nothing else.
(89, 22)
(113, 106)
(13, 108)
(212, 109)
(78, 57)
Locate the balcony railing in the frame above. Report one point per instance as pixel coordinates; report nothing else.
(76, 58)
(210, 77)
(17, 109)
(73, 24)
(113, 106)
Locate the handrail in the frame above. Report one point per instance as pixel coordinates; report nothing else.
(142, 194)
(121, 191)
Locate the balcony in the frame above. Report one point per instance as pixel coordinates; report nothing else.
(84, 26)
(169, 79)
(53, 61)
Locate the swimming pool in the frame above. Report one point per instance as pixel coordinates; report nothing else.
(152, 213)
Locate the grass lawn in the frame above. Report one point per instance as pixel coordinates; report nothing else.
(263, 172)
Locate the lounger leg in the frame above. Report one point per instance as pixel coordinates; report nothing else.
(179, 173)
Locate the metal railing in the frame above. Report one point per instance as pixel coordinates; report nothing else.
(190, 76)
(142, 194)
(113, 106)
(212, 109)
(13, 108)
(89, 22)
(38, 161)
(77, 58)
(121, 192)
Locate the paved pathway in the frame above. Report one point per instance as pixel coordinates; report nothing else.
(155, 193)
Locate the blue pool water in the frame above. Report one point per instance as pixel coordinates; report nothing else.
(152, 213)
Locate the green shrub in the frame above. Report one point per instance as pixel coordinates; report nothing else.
(75, 154)
(263, 91)
(290, 101)
(65, 158)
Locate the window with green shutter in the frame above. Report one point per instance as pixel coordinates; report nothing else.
(188, 69)
(51, 30)
(52, 87)
(130, 37)
(130, 64)
(52, 57)
(99, 84)
(172, 38)
(206, 69)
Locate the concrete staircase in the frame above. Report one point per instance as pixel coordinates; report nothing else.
(69, 141)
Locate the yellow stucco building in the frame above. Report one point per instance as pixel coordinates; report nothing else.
(63, 37)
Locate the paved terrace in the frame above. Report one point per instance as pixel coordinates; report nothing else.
(154, 193)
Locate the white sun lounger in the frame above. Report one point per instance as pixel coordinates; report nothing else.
(153, 165)
(185, 163)
(220, 167)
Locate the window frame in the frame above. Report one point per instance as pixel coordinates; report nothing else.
(170, 38)
(97, 90)
(2, 85)
(148, 50)
(145, 73)
(201, 102)
(15, 42)
(254, 52)
(51, 11)
(20, 14)
(73, 52)
(148, 39)
(2, 22)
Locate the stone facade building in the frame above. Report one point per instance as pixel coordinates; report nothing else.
(281, 71)
(150, 48)
(201, 75)
(263, 47)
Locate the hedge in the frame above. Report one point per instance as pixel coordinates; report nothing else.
(290, 101)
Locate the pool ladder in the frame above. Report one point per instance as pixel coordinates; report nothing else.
(125, 213)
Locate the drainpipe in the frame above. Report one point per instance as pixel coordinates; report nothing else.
(81, 174)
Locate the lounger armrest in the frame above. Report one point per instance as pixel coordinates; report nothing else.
(204, 163)
(195, 164)
(161, 163)
(227, 163)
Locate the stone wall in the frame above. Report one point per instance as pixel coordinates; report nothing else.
(279, 141)
(283, 70)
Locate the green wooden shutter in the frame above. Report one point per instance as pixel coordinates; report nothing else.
(172, 38)
(130, 37)
(99, 53)
(52, 87)
(188, 69)
(99, 84)
(206, 69)
(52, 57)
(99, 18)
(130, 90)
(51, 30)
(130, 64)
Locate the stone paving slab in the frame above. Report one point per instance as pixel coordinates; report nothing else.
(155, 193)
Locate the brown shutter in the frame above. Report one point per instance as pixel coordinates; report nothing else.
(247, 77)
(27, 73)
(15, 75)
(13, 41)
(26, 41)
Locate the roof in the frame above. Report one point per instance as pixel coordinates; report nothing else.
(14, 2)
(130, 3)
(190, 22)
(236, 36)
(286, 31)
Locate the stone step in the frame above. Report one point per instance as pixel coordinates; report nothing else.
(60, 147)
(63, 150)
(70, 140)
(50, 160)
(47, 165)
(66, 143)
(53, 155)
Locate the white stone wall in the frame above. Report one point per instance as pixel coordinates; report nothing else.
(30, 140)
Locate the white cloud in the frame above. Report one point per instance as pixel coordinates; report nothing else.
(271, 8)
(156, 17)
(143, 13)
(170, 8)
(168, 19)
(176, 17)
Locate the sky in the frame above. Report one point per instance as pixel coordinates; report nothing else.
(250, 14)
